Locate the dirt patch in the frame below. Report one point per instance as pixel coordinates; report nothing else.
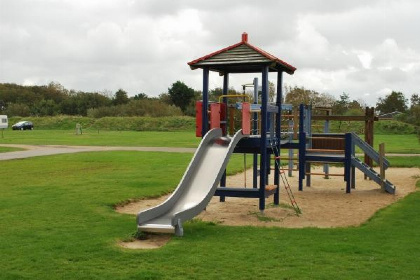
(324, 204)
(149, 241)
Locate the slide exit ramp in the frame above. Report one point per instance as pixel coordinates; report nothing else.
(196, 188)
(366, 169)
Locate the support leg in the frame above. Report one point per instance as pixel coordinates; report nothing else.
(223, 184)
(308, 177)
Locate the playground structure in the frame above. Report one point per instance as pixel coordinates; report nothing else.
(340, 148)
(260, 134)
(238, 58)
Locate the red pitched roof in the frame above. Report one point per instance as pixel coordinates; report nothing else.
(286, 66)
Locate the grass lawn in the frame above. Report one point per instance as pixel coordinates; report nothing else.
(57, 222)
(404, 144)
(404, 161)
(103, 138)
(9, 149)
(393, 143)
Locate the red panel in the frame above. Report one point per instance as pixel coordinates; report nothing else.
(214, 115)
(198, 118)
(246, 118)
(223, 114)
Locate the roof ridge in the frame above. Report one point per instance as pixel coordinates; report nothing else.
(244, 42)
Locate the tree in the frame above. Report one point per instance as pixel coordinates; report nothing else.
(341, 106)
(140, 96)
(181, 95)
(414, 100)
(300, 95)
(120, 97)
(395, 101)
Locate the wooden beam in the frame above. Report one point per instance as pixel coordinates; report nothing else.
(343, 118)
(326, 151)
(329, 174)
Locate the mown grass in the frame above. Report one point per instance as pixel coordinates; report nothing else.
(404, 161)
(63, 122)
(404, 144)
(102, 138)
(9, 149)
(393, 143)
(58, 222)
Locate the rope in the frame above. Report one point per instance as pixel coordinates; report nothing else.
(285, 181)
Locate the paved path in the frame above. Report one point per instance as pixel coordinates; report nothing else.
(46, 150)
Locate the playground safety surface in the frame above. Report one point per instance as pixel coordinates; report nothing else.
(324, 205)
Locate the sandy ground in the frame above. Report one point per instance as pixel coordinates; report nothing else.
(325, 204)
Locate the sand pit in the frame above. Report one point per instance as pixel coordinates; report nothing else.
(324, 204)
(150, 241)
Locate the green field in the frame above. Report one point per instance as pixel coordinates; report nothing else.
(102, 138)
(9, 149)
(404, 144)
(393, 143)
(58, 222)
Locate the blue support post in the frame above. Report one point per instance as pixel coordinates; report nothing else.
(279, 101)
(263, 145)
(302, 146)
(205, 101)
(353, 169)
(225, 91)
(347, 162)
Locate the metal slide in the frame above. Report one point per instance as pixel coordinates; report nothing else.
(196, 188)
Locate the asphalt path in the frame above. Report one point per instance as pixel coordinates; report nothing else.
(46, 150)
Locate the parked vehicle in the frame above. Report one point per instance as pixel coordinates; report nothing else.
(23, 125)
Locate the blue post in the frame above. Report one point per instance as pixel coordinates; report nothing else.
(222, 198)
(302, 146)
(279, 101)
(263, 145)
(347, 162)
(205, 101)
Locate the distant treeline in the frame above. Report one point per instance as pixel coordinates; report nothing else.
(53, 99)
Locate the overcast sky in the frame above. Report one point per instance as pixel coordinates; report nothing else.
(363, 48)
